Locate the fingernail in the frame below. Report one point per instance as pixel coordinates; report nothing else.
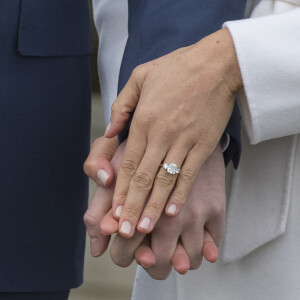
(102, 176)
(95, 247)
(145, 223)
(119, 210)
(107, 128)
(172, 209)
(126, 227)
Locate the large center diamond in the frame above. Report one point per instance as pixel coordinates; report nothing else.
(172, 168)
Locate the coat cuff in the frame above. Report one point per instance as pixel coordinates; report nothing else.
(268, 54)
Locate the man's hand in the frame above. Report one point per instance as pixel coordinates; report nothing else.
(183, 102)
(98, 167)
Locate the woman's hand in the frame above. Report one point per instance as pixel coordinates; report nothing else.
(183, 103)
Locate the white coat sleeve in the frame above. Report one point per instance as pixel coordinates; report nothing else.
(268, 51)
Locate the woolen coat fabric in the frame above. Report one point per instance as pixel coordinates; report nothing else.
(44, 140)
(262, 187)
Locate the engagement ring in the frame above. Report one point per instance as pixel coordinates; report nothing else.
(171, 168)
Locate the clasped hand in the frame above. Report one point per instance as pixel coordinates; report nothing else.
(182, 104)
(181, 240)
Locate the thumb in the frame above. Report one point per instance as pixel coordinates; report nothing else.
(127, 100)
(98, 166)
(109, 224)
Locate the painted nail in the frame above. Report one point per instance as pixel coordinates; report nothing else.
(107, 128)
(119, 210)
(126, 227)
(102, 176)
(172, 209)
(145, 223)
(95, 247)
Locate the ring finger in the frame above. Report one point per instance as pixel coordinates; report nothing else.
(162, 188)
(184, 182)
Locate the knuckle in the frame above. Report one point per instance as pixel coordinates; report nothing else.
(121, 263)
(171, 127)
(120, 197)
(97, 141)
(121, 109)
(130, 211)
(119, 260)
(178, 197)
(143, 118)
(138, 71)
(142, 180)
(206, 141)
(163, 180)
(116, 107)
(197, 213)
(129, 166)
(162, 268)
(154, 208)
(158, 274)
(187, 174)
(169, 130)
(89, 220)
(218, 209)
(196, 262)
(89, 166)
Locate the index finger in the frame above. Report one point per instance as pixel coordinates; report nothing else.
(127, 100)
(97, 165)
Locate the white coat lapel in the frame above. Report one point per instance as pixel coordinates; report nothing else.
(258, 206)
(260, 196)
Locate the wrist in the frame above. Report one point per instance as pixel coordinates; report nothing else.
(233, 75)
(217, 51)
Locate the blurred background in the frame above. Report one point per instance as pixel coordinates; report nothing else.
(102, 279)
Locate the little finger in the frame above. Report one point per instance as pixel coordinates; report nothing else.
(185, 180)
